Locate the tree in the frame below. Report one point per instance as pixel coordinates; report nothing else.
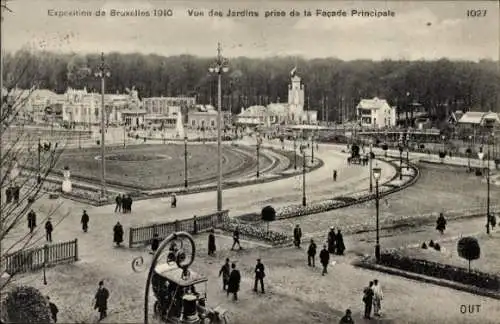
(268, 215)
(25, 304)
(19, 149)
(468, 248)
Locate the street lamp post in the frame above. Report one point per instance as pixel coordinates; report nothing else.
(469, 153)
(124, 135)
(400, 162)
(312, 148)
(377, 172)
(304, 161)
(407, 151)
(220, 66)
(103, 73)
(371, 167)
(185, 161)
(258, 155)
(294, 152)
(481, 157)
(39, 175)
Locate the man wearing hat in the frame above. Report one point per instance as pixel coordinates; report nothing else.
(101, 300)
(259, 276)
(297, 235)
(85, 221)
(48, 230)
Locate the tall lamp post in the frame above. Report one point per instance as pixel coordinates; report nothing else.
(312, 148)
(103, 73)
(371, 167)
(39, 175)
(257, 146)
(407, 144)
(304, 161)
(185, 161)
(481, 157)
(401, 161)
(377, 172)
(220, 66)
(294, 152)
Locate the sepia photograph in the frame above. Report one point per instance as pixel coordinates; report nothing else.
(248, 161)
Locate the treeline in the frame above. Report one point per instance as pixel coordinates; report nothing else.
(441, 86)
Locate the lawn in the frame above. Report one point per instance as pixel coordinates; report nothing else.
(439, 188)
(488, 262)
(157, 166)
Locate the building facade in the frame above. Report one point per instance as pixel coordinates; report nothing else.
(291, 112)
(167, 106)
(205, 118)
(375, 113)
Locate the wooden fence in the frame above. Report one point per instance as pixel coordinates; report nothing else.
(144, 234)
(37, 258)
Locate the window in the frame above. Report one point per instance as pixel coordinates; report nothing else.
(212, 123)
(193, 122)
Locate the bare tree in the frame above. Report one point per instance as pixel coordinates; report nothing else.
(20, 146)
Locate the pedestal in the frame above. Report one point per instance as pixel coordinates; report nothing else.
(66, 186)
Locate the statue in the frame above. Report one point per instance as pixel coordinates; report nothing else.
(179, 127)
(66, 184)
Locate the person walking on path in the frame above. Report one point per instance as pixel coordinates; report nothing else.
(225, 271)
(85, 221)
(236, 238)
(118, 234)
(311, 254)
(31, 221)
(101, 300)
(259, 276)
(377, 297)
(53, 310)
(347, 318)
(118, 207)
(368, 299)
(334, 175)
(332, 240)
(211, 243)
(234, 282)
(155, 243)
(48, 230)
(324, 258)
(441, 223)
(297, 235)
(339, 243)
(173, 202)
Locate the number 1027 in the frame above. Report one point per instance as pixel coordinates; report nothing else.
(476, 13)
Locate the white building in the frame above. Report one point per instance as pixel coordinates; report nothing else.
(375, 113)
(167, 106)
(281, 113)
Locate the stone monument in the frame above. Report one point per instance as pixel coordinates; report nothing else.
(179, 127)
(66, 184)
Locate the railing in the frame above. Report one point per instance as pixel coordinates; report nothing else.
(38, 257)
(144, 234)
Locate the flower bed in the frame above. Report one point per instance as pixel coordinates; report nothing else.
(256, 232)
(396, 259)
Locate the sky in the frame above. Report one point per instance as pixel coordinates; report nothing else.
(418, 29)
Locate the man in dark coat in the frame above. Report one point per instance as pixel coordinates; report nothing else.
(101, 300)
(173, 203)
(368, 299)
(340, 243)
(236, 238)
(441, 223)
(16, 193)
(31, 220)
(297, 236)
(332, 240)
(118, 234)
(8, 194)
(155, 243)
(234, 281)
(311, 254)
(324, 258)
(259, 276)
(225, 271)
(211, 243)
(334, 175)
(53, 310)
(48, 230)
(347, 318)
(118, 200)
(85, 221)
(129, 203)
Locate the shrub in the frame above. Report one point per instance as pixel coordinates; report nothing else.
(424, 246)
(468, 248)
(442, 154)
(26, 305)
(437, 247)
(478, 172)
(385, 147)
(422, 146)
(268, 214)
(474, 278)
